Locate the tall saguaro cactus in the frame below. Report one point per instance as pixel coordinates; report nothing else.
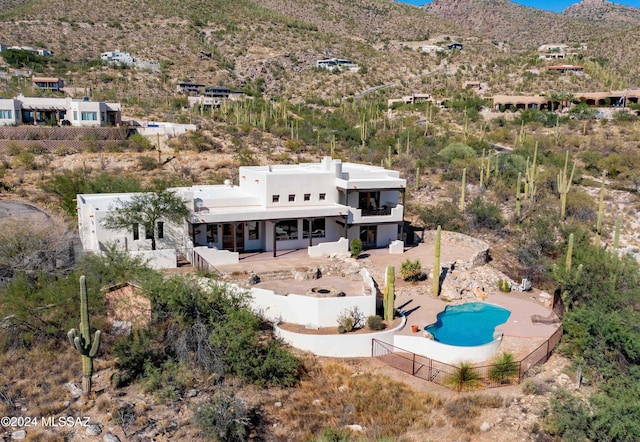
(389, 293)
(600, 213)
(87, 347)
(531, 173)
(435, 288)
(564, 185)
(462, 189)
(567, 264)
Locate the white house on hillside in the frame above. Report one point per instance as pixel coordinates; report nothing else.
(41, 110)
(278, 207)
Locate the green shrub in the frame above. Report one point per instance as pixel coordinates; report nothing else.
(504, 286)
(505, 370)
(356, 247)
(411, 270)
(485, 214)
(375, 322)
(146, 162)
(455, 151)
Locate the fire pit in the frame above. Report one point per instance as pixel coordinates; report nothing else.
(324, 292)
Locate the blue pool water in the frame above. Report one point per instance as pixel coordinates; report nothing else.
(468, 324)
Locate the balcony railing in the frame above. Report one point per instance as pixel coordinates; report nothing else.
(380, 211)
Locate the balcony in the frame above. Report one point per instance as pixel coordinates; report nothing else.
(382, 214)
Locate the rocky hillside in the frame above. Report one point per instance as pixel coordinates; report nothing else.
(603, 10)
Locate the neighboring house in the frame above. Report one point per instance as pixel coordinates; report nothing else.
(278, 207)
(454, 45)
(117, 57)
(214, 96)
(472, 85)
(340, 64)
(558, 48)
(42, 52)
(565, 68)
(431, 49)
(186, 87)
(515, 102)
(42, 110)
(410, 99)
(48, 83)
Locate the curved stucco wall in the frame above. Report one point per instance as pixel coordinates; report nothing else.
(449, 354)
(346, 345)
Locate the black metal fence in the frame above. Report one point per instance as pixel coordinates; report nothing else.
(440, 373)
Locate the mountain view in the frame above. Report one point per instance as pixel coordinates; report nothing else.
(477, 152)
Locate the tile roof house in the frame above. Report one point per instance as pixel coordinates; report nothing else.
(277, 207)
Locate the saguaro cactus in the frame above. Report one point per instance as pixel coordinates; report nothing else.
(83, 343)
(518, 196)
(435, 287)
(418, 177)
(462, 189)
(389, 293)
(567, 264)
(600, 213)
(564, 185)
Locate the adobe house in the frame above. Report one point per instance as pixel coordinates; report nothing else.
(273, 208)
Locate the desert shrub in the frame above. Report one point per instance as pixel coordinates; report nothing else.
(466, 408)
(26, 160)
(504, 369)
(356, 247)
(464, 378)
(146, 162)
(375, 322)
(139, 143)
(135, 354)
(223, 417)
(350, 319)
(457, 151)
(485, 214)
(410, 270)
(445, 214)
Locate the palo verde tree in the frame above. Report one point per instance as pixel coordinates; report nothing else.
(147, 209)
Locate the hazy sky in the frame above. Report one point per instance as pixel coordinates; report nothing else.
(550, 5)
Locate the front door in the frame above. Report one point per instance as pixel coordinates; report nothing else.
(233, 237)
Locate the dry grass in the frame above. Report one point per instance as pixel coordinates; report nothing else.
(333, 395)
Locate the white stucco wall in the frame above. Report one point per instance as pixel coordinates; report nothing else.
(158, 259)
(449, 354)
(346, 345)
(330, 248)
(217, 257)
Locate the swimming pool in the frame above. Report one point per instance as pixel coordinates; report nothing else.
(468, 324)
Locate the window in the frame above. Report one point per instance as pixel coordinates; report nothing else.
(212, 233)
(275, 198)
(136, 231)
(317, 228)
(323, 196)
(307, 197)
(89, 116)
(6, 115)
(292, 198)
(160, 229)
(254, 230)
(75, 115)
(287, 229)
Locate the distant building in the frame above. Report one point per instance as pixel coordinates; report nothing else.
(454, 46)
(42, 110)
(410, 99)
(472, 85)
(340, 64)
(48, 83)
(186, 87)
(117, 57)
(431, 49)
(565, 68)
(214, 96)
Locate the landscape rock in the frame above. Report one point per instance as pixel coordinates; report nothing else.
(93, 430)
(355, 428)
(18, 435)
(74, 389)
(485, 426)
(110, 437)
